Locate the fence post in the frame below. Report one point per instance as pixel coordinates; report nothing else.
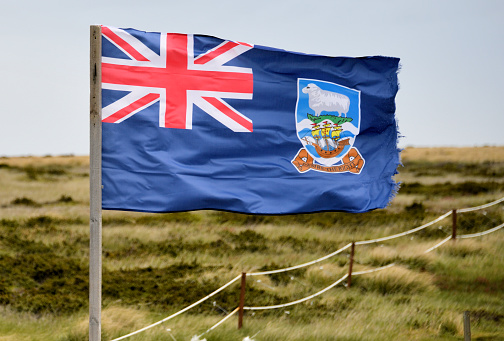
(454, 224)
(467, 326)
(242, 300)
(352, 252)
(95, 187)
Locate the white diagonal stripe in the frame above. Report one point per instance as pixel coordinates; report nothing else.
(217, 114)
(216, 64)
(155, 60)
(135, 94)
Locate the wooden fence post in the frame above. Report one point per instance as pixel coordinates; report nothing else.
(242, 300)
(454, 224)
(95, 190)
(467, 326)
(352, 252)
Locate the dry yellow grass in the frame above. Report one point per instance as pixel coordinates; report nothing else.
(115, 319)
(461, 154)
(45, 160)
(403, 277)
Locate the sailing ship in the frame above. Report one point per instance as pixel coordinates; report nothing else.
(326, 139)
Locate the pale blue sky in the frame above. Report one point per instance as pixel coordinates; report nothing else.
(452, 56)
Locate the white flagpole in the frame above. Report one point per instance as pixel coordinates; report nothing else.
(95, 187)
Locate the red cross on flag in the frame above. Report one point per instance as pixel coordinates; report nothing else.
(177, 79)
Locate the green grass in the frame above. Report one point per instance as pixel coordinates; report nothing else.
(155, 264)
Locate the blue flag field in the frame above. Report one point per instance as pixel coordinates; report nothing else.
(193, 122)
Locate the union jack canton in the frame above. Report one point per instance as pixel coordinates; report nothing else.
(177, 79)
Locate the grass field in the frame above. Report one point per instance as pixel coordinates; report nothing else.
(156, 264)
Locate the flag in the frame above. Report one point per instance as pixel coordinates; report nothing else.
(193, 122)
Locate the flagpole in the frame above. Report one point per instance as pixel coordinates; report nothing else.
(95, 194)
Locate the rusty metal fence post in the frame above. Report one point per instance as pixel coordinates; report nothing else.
(454, 224)
(242, 299)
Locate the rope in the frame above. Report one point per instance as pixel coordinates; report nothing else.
(298, 301)
(481, 233)
(220, 322)
(438, 245)
(301, 265)
(469, 209)
(393, 264)
(404, 233)
(181, 311)
(373, 270)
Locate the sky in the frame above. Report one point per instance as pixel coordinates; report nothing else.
(451, 51)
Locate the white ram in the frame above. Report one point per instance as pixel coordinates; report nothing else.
(322, 100)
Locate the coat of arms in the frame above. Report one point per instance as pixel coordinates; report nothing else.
(327, 124)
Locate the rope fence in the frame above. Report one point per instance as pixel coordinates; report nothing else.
(347, 276)
(438, 245)
(301, 265)
(181, 311)
(481, 233)
(373, 270)
(363, 242)
(218, 323)
(476, 208)
(300, 300)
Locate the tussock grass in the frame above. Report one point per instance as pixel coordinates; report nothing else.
(395, 280)
(463, 248)
(382, 255)
(116, 321)
(155, 264)
(12, 188)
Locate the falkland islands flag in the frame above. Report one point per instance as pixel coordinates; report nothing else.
(194, 122)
